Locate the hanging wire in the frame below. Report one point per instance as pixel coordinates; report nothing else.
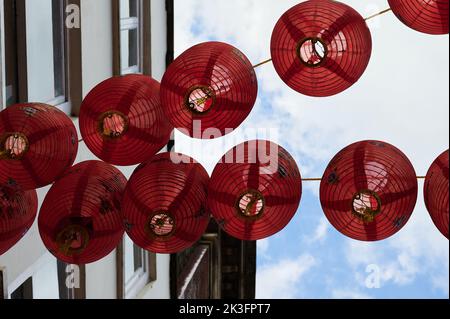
(378, 14)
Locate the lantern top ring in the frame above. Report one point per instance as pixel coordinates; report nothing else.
(312, 51)
(366, 205)
(113, 124)
(200, 99)
(13, 146)
(250, 205)
(160, 225)
(73, 240)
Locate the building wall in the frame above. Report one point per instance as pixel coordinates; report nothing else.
(29, 256)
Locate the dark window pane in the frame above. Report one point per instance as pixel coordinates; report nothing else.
(129, 48)
(11, 71)
(25, 291)
(58, 46)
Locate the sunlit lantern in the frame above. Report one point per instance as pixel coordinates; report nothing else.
(321, 48)
(38, 143)
(430, 16)
(80, 220)
(164, 205)
(209, 90)
(122, 120)
(18, 210)
(255, 190)
(436, 192)
(369, 191)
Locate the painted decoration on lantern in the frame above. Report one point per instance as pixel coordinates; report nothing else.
(255, 190)
(321, 48)
(369, 191)
(164, 205)
(430, 16)
(18, 210)
(209, 90)
(436, 192)
(80, 220)
(122, 120)
(38, 143)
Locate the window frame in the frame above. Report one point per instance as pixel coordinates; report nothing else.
(70, 102)
(144, 34)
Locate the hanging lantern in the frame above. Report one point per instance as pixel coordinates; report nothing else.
(164, 204)
(122, 121)
(255, 190)
(436, 192)
(210, 86)
(369, 191)
(18, 210)
(80, 220)
(429, 16)
(321, 48)
(38, 143)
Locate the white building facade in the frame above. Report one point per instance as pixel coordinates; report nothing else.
(55, 52)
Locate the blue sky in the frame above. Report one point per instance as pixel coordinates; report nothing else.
(402, 99)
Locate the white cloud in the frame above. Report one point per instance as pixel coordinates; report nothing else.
(321, 231)
(281, 280)
(418, 249)
(263, 248)
(349, 294)
(402, 99)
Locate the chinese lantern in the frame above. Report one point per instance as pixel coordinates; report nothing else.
(255, 190)
(321, 48)
(209, 90)
(436, 192)
(18, 210)
(38, 143)
(122, 121)
(164, 205)
(369, 191)
(429, 16)
(80, 220)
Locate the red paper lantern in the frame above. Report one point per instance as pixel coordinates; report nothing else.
(321, 48)
(80, 220)
(122, 121)
(369, 191)
(38, 143)
(210, 86)
(18, 210)
(164, 204)
(436, 192)
(429, 16)
(255, 190)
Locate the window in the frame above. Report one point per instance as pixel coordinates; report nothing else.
(38, 65)
(136, 269)
(25, 291)
(3, 284)
(131, 37)
(14, 72)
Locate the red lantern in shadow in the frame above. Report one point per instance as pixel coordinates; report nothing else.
(164, 204)
(122, 121)
(321, 48)
(436, 192)
(80, 220)
(18, 210)
(429, 17)
(38, 143)
(255, 190)
(369, 191)
(208, 90)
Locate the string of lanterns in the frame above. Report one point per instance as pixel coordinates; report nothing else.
(319, 48)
